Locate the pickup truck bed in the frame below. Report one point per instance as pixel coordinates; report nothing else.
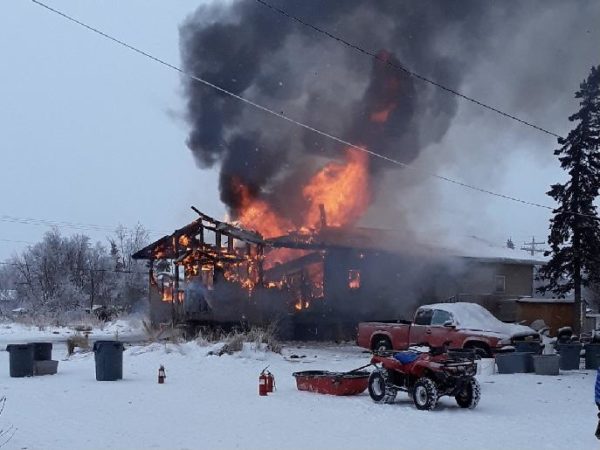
(385, 334)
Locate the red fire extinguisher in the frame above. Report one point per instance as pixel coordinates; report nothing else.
(266, 382)
(161, 375)
(270, 381)
(262, 384)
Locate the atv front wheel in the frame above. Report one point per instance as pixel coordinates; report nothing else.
(469, 396)
(379, 389)
(425, 394)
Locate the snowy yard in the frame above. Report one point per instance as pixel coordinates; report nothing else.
(213, 402)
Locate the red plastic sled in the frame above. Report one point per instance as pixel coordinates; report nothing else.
(332, 383)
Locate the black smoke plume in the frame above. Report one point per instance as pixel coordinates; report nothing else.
(257, 53)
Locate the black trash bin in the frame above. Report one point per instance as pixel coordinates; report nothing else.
(569, 355)
(42, 351)
(514, 362)
(109, 360)
(592, 356)
(528, 346)
(20, 360)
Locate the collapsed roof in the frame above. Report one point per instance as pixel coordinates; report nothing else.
(174, 246)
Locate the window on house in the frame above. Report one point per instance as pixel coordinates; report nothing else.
(500, 284)
(354, 279)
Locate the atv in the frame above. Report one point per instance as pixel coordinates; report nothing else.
(426, 376)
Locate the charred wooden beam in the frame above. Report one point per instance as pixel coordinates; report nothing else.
(163, 248)
(261, 273)
(218, 240)
(236, 232)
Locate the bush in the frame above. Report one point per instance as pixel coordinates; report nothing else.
(234, 341)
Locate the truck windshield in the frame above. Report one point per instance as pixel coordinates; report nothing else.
(440, 317)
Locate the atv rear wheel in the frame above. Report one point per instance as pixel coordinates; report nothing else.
(425, 394)
(380, 390)
(469, 395)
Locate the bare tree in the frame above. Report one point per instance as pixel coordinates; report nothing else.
(69, 273)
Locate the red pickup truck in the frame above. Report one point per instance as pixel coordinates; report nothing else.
(464, 325)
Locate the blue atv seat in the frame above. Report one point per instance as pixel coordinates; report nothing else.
(406, 357)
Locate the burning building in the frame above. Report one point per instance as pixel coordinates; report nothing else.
(293, 247)
(316, 284)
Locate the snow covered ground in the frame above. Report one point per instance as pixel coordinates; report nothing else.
(213, 402)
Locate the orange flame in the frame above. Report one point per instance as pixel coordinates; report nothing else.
(343, 188)
(382, 115)
(257, 215)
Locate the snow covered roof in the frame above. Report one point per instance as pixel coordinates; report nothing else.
(476, 247)
(397, 241)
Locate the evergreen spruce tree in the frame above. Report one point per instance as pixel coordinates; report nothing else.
(575, 228)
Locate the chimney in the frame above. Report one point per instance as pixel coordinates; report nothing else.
(323, 215)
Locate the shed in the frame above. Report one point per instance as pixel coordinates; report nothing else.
(555, 312)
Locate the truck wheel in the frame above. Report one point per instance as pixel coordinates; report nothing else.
(425, 394)
(479, 350)
(382, 344)
(470, 394)
(379, 389)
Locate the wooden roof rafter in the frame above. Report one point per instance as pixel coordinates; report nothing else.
(169, 247)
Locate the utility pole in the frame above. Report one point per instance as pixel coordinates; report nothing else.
(531, 246)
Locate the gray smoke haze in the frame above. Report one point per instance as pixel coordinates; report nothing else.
(527, 57)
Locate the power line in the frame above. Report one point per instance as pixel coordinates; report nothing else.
(66, 224)
(404, 69)
(284, 117)
(16, 241)
(46, 222)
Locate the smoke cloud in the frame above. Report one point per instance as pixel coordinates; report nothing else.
(254, 52)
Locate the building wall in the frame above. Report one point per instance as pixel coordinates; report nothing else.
(160, 311)
(386, 288)
(481, 277)
(393, 286)
(478, 282)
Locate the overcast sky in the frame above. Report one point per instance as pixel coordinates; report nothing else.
(92, 133)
